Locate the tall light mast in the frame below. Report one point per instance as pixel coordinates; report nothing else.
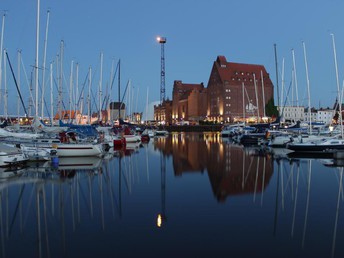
(162, 41)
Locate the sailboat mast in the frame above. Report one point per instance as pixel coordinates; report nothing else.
(1, 47)
(18, 82)
(109, 97)
(100, 86)
(243, 102)
(6, 91)
(119, 89)
(262, 79)
(51, 95)
(147, 106)
(255, 89)
(295, 79)
(71, 90)
(282, 90)
(60, 80)
(339, 102)
(44, 63)
(76, 91)
(278, 100)
(308, 89)
(36, 61)
(89, 96)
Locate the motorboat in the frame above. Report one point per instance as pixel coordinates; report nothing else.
(65, 146)
(231, 130)
(327, 144)
(11, 156)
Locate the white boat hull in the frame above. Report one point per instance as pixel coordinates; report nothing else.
(79, 150)
(132, 138)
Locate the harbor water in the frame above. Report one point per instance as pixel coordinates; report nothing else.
(184, 195)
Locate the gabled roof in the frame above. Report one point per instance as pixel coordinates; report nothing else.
(229, 71)
(188, 86)
(184, 89)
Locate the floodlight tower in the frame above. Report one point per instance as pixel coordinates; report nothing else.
(162, 41)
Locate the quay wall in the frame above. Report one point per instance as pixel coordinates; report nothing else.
(193, 128)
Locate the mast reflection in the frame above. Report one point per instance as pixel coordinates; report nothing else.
(232, 169)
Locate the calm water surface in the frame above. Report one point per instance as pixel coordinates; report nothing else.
(187, 195)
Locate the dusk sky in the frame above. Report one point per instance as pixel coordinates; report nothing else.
(197, 31)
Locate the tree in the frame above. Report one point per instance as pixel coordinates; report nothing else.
(271, 109)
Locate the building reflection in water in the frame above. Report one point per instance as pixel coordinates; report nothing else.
(232, 169)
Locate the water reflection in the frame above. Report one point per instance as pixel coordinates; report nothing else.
(143, 196)
(311, 196)
(232, 169)
(44, 202)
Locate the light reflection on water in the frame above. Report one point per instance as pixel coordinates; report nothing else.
(186, 195)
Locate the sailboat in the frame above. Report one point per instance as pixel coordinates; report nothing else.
(319, 145)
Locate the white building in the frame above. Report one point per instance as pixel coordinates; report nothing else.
(292, 113)
(325, 115)
(313, 115)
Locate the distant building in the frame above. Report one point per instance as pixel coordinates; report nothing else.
(237, 90)
(325, 115)
(137, 117)
(292, 113)
(163, 112)
(116, 110)
(67, 115)
(300, 113)
(103, 119)
(189, 102)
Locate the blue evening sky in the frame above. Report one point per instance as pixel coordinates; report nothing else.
(197, 31)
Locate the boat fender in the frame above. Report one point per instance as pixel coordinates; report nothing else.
(55, 161)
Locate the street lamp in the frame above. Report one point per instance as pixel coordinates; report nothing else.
(161, 40)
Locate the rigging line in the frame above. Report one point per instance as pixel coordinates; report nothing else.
(94, 101)
(15, 82)
(106, 99)
(57, 88)
(81, 93)
(286, 98)
(126, 87)
(29, 83)
(82, 89)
